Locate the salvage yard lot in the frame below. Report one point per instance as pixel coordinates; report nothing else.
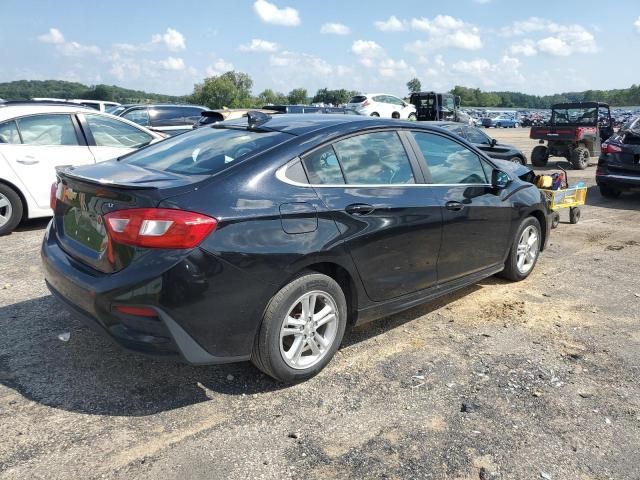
(539, 379)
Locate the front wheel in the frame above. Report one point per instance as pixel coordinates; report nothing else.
(412, 117)
(525, 249)
(516, 125)
(302, 328)
(518, 160)
(375, 114)
(10, 209)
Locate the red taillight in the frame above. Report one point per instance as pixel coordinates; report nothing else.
(53, 195)
(158, 227)
(366, 103)
(608, 148)
(137, 311)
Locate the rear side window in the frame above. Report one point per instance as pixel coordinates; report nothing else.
(358, 99)
(374, 159)
(9, 133)
(109, 132)
(449, 162)
(323, 168)
(139, 116)
(169, 116)
(47, 130)
(205, 151)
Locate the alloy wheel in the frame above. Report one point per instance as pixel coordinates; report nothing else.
(528, 249)
(6, 210)
(309, 330)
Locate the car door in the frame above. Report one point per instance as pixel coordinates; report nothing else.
(483, 142)
(44, 142)
(382, 106)
(110, 137)
(476, 217)
(390, 221)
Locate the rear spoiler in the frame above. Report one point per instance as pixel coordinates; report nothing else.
(66, 171)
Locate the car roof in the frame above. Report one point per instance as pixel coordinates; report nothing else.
(13, 111)
(182, 105)
(580, 105)
(301, 124)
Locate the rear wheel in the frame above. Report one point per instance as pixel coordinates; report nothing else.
(302, 328)
(540, 156)
(574, 215)
(498, 125)
(579, 158)
(518, 160)
(524, 252)
(516, 125)
(609, 192)
(10, 209)
(555, 220)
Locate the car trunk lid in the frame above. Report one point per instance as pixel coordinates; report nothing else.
(622, 153)
(84, 198)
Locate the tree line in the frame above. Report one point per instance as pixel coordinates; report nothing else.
(234, 90)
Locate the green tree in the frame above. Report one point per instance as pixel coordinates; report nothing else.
(269, 97)
(298, 96)
(231, 90)
(414, 85)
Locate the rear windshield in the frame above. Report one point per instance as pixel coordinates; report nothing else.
(204, 151)
(358, 99)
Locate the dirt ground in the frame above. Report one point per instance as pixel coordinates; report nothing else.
(538, 379)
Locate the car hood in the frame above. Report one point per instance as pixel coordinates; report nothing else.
(515, 169)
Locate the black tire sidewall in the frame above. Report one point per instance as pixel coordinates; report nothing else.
(17, 209)
(537, 160)
(275, 316)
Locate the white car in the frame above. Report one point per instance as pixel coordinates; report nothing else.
(101, 105)
(35, 139)
(382, 105)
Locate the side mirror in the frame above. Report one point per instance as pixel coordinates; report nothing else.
(494, 142)
(500, 179)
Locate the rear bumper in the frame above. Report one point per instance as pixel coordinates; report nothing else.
(618, 181)
(89, 296)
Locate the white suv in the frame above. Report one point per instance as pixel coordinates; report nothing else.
(382, 105)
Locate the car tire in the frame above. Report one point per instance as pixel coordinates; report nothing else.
(284, 329)
(524, 251)
(579, 158)
(11, 209)
(609, 192)
(540, 156)
(555, 220)
(518, 160)
(375, 114)
(412, 117)
(498, 125)
(516, 125)
(574, 215)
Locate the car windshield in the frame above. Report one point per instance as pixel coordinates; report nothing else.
(632, 125)
(575, 116)
(205, 151)
(116, 110)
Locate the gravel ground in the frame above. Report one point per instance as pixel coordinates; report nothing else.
(538, 379)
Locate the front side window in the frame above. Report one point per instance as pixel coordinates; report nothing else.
(139, 116)
(374, 159)
(109, 132)
(475, 135)
(323, 168)
(448, 161)
(9, 133)
(205, 151)
(47, 130)
(448, 103)
(167, 116)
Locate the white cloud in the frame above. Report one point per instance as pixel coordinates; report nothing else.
(527, 48)
(302, 61)
(257, 45)
(637, 24)
(444, 31)
(557, 39)
(172, 63)
(373, 56)
(52, 36)
(439, 25)
(172, 39)
(393, 24)
(270, 13)
(218, 67)
(335, 29)
(485, 72)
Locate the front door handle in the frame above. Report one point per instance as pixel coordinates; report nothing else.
(454, 206)
(360, 209)
(27, 161)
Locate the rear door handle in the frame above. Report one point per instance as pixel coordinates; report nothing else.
(454, 206)
(27, 161)
(360, 209)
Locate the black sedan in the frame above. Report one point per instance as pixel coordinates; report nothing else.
(264, 239)
(619, 163)
(481, 140)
